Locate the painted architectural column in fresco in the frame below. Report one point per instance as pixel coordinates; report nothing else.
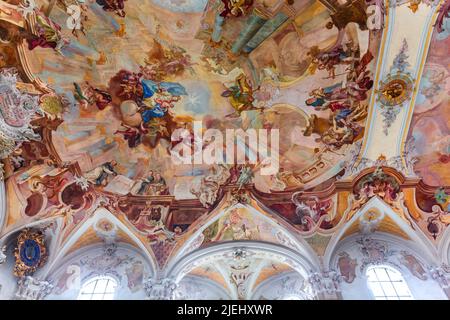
(254, 23)
(30, 288)
(217, 32)
(266, 30)
(405, 43)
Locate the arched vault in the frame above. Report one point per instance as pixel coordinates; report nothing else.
(270, 228)
(374, 216)
(91, 232)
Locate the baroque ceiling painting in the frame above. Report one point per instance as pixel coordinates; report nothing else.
(224, 149)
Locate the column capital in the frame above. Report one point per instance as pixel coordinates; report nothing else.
(30, 288)
(326, 284)
(160, 289)
(2, 254)
(441, 274)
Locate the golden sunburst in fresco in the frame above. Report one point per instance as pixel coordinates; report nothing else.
(395, 90)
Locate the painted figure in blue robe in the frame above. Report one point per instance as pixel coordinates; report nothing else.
(322, 96)
(160, 98)
(150, 88)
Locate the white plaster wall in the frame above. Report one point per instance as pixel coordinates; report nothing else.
(282, 286)
(199, 288)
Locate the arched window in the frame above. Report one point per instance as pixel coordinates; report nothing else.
(387, 283)
(98, 288)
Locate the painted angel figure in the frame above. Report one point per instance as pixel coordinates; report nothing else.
(240, 95)
(206, 191)
(133, 135)
(117, 6)
(156, 229)
(87, 95)
(235, 227)
(81, 95)
(341, 134)
(444, 13)
(235, 8)
(322, 97)
(99, 176)
(245, 177)
(437, 81)
(49, 35)
(330, 59)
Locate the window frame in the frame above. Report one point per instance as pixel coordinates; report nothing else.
(387, 269)
(93, 296)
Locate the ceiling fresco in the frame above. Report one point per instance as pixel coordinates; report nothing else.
(430, 131)
(108, 77)
(223, 149)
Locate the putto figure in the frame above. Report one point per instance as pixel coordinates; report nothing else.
(117, 6)
(235, 8)
(240, 95)
(49, 35)
(99, 176)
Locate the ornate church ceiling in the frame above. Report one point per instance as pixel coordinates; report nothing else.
(99, 98)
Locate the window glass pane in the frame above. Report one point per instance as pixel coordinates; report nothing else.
(376, 289)
(388, 289)
(99, 288)
(387, 283)
(402, 289)
(89, 287)
(111, 287)
(395, 276)
(371, 276)
(382, 274)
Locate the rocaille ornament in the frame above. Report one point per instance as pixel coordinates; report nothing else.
(30, 253)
